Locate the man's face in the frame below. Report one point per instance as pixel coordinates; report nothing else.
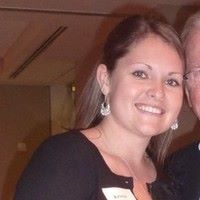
(193, 66)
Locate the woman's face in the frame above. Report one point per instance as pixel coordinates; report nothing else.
(145, 89)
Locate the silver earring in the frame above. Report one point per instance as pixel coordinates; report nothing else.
(174, 126)
(105, 108)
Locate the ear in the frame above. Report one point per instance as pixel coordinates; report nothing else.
(103, 78)
(188, 96)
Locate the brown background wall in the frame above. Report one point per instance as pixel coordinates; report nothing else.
(24, 118)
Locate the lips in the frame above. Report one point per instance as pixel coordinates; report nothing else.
(150, 109)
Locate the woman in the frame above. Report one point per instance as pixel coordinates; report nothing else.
(133, 96)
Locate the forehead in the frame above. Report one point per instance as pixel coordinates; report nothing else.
(193, 49)
(154, 46)
(155, 52)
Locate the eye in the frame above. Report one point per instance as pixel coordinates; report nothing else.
(172, 82)
(140, 74)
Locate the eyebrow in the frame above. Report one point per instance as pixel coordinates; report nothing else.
(178, 73)
(195, 67)
(151, 68)
(148, 66)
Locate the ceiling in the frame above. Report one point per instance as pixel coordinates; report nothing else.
(48, 42)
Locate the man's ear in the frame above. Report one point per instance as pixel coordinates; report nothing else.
(103, 78)
(188, 96)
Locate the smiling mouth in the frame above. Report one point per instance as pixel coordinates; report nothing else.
(150, 109)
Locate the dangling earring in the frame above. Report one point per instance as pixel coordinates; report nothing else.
(174, 126)
(105, 108)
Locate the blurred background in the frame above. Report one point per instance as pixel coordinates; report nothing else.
(47, 50)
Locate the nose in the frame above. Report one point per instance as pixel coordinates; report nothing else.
(156, 90)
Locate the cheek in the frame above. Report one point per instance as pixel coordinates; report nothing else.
(119, 93)
(122, 95)
(177, 101)
(195, 96)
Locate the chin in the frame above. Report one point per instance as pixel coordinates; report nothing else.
(151, 132)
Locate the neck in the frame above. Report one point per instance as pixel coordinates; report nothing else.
(130, 150)
(126, 145)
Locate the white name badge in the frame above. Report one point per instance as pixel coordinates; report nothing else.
(115, 193)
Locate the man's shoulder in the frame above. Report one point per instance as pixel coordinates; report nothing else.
(187, 156)
(183, 169)
(188, 151)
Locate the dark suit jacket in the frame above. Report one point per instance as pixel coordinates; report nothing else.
(183, 167)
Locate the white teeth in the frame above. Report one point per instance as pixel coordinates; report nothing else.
(150, 109)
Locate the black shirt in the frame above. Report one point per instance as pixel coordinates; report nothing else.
(183, 167)
(70, 167)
